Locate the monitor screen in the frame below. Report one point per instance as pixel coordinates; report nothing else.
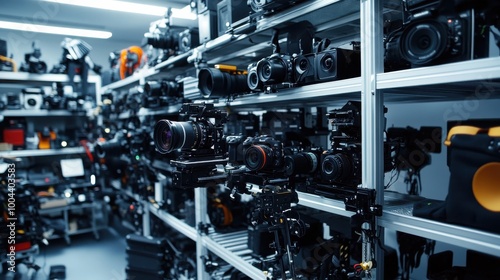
(71, 168)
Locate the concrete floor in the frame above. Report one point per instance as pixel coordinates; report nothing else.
(85, 258)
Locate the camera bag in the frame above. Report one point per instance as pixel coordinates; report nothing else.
(474, 190)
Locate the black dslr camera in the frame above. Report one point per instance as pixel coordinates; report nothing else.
(200, 141)
(263, 154)
(341, 165)
(169, 39)
(435, 32)
(327, 64)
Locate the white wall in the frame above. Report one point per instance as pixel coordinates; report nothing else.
(19, 43)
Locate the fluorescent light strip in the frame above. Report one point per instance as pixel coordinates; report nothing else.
(128, 7)
(55, 30)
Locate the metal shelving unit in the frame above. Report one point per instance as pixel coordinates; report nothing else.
(375, 88)
(65, 210)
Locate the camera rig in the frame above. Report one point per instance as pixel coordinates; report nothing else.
(201, 143)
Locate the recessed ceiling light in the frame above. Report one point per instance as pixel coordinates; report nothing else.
(38, 28)
(129, 7)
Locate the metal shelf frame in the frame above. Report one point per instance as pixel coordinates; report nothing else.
(465, 237)
(173, 221)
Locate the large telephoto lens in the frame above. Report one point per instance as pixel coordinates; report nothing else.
(272, 70)
(171, 135)
(301, 163)
(214, 83)
(337, 167)
(258, 157)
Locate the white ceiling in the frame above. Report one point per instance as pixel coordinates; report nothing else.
(126, 27)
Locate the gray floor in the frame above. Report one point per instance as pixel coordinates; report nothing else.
(85, 258)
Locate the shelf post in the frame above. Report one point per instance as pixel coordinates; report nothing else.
(200, 202)
(372, 103)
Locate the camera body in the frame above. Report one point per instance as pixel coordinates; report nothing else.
(435, 33)
(341, 165)
(328, 65)
(188, 39)
(33, 98)
(275, 69)
(161, 93)
(263, 154)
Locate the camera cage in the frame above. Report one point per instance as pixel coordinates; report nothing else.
(195, 167)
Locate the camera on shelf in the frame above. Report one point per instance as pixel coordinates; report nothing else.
(161, 93)
(327, 64)
(263, 154)
(200, 141)
(32, 62)
(223, 81)
(303, 162)
(57, 98)
(33, 98)
(275, 69)
(413, 143)
(341, 164)
(113, 148)
(172, 40)
(132, 143)
(435, 32)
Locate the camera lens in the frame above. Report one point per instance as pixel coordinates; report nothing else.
(423, 42)
(301, 163)
(272, 70)
(253, 79)
(163, 88)
(303, 64)
(113, 148)
(215, 83)
(258, 157)
(328, 63)
(31, 102)
(160, 41)
(171, 135)
(336, 167)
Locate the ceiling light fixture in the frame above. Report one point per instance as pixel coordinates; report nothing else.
(129, 7)
(38, 28)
